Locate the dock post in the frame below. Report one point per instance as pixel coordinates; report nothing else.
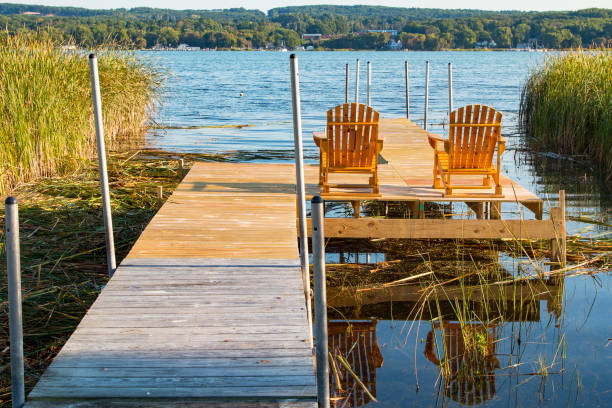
(369, 83)
(300, 187)
(558, 245)
(357, 82)
(14, 294)
(407, 90)
(346, 87)
(426, 95)
(320, 298)
(450, 89)
(106, 208)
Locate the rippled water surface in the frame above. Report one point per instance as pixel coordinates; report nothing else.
(553, 350)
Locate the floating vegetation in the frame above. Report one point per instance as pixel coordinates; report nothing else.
(566, 105)
(63, 254)
(46, 107)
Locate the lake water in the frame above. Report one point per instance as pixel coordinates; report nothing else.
(209, 93)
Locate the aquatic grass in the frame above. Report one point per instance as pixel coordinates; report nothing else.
(46, 109)
(566, 105)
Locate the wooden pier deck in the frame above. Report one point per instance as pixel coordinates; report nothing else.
(208, 307)
(206, 310)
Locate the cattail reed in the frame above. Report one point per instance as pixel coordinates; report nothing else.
(46, 110)
(566, 105)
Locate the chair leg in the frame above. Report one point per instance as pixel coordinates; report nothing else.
(498, 187)
(486, 181)
(436, 174)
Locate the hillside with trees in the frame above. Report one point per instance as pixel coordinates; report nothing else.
(340, 27)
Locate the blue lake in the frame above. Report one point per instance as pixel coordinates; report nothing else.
(557, 353)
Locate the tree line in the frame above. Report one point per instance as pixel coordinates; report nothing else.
(343, 27)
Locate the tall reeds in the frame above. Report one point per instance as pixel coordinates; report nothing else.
(566, 105)
(46, 121)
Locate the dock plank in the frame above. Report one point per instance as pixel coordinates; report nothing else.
(209, 303)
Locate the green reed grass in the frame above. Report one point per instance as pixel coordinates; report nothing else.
(46, 112)
(566, 105)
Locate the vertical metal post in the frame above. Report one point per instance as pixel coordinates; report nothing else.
(346, 88)
(320, 298)
(106, 208)
(407, 90)
(14, 294)
(450, 89)
(426, 95)
(300, 186)
(369, 83)
(357, 82)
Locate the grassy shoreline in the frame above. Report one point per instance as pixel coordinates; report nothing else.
(566, 106)
(46, 108)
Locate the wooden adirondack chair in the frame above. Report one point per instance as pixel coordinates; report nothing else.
(474, 132)
(350, 145)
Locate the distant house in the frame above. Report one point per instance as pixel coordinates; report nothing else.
(187, 47)
(486, 44)
(394, 45)
(311, 37)
(31, 13)
(392, 32)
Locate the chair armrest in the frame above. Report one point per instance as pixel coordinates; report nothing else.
(501, 146)
(318, 137)
(379, 145)
(433, 140)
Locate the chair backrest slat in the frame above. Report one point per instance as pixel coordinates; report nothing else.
(352, 133)
(473, 136)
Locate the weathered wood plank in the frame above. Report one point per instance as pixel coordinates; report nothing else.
(437, 228)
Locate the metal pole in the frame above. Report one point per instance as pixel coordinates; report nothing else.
(346, 88)
(320, 297)
(369, 83)
(407, 91)
(426, 95)
(357, 82)
(450, 88)
(106, 208)
(14, 293)
(300, 186)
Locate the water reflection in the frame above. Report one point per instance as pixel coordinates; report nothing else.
(356, 343)
(468, 360)
(472, 336)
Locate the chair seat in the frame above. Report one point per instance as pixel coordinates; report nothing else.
(444, 159)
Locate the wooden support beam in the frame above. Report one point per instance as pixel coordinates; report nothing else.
(477, 207)
(495, 210)
(438, 228)
(558, 244)
(535, 207)
(356, 208)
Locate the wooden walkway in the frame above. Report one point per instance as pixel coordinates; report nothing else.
(206, 310)
(208, 307)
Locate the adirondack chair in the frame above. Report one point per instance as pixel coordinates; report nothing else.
(471, 368)
(474, 132)
(349, 145)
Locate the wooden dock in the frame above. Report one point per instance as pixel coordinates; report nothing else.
(206, 310)
(208, 307)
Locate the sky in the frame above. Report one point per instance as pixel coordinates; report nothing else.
(264, 5)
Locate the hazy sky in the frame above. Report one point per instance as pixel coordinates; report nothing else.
(268, 4)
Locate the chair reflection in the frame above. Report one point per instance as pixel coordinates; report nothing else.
(355, 342)
(467, 358)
